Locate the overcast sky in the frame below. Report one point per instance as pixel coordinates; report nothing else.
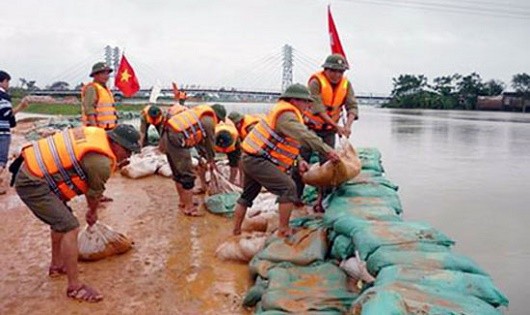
(238, 42)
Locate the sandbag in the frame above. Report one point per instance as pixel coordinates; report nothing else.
(241, 247)
(100, 241)
(305, 247)
(356, 269)
(333, 174)
(319, 289)
(368, 236)
(479, 286)
(369, 194)
(384, 257)
(371, 160)
(344, 207)
(399, 298)
(148, 162)
(342, 247)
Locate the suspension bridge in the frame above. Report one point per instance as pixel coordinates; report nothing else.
(261, 80)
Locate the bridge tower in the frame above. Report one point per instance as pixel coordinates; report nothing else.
(112, 58)
(287, 65)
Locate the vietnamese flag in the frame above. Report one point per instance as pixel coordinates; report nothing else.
(126, 81)
(336, 46)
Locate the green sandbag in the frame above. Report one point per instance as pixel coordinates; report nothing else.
(309, 195)
(400, 298)
(301, 290)
(384, 257)
(342, 247)
(367, 177)
(255, 293)
(305, 247)
(370, 159)
(479, 286)
(343, 207)
(222, 204)
(369, 194)
(368, 236)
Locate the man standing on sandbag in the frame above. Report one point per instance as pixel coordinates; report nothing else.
(332, 92)
(271, 149)
(55, 169)
(97, 103)
(227, 141)
(244, 123)
(150, 115)
(194, 127)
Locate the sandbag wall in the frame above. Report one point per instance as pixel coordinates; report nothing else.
(416, 272)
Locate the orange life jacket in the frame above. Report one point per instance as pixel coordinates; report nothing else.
(105, 108)
(247, 123)
(264, 141)
(188, 123)
(175, 109)
(228, 126)
(332, 99)
(61, 153)
(150, 120)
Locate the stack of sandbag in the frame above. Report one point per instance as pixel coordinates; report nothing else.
(241, 247)
(333, 174)
(99, 241)
(149, 162)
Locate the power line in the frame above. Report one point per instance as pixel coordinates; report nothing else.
(448, 7)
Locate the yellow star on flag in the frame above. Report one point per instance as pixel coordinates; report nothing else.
(125, 76)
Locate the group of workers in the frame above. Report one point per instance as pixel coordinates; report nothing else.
(267, 150)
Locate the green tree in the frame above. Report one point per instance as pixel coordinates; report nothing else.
(521, 83)
(469, 87)
(408, 84)
(493, 88)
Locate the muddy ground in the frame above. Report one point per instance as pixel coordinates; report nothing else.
(171, 270)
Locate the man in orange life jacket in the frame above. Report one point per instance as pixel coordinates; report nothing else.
(227, 141)
(97, 107)
(244, 123)
(271, 149)
(194, 127)
(332, 92)
(150, 115)
(57, 168)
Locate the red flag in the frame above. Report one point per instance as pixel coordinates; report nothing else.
(126, 81)
(336, 46)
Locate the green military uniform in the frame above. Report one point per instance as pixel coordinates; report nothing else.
(38, 196)
(144, 127)
(260, 172)
(179, 158)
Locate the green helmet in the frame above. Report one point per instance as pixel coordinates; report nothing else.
(297, 91)
(100, 67)
(220, 111)
(224, 139)
(154, 111)
(126, 136)
(336, 62)
(235, 117)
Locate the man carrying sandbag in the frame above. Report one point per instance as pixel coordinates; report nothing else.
(227, 141)
(194, 127)
(332, 92)
(150, 115)
(271, 149)
(57, 168)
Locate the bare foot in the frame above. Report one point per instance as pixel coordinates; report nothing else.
(193, 212)
(236, 231)
(105, 199)
(84, 293)
(56, 271)
(285, 232)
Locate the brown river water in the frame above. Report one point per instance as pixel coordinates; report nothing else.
(466, 173)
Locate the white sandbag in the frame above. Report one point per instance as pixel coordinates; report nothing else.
(99, 241)
(165, 170)
(356, 269)
(264, 203)
(148, 162)
(333, 174)
(241, 247)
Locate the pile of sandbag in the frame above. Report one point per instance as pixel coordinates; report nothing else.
(333, 174)
(100, 241)
(149, 162)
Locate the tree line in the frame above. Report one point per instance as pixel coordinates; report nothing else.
(450, 92)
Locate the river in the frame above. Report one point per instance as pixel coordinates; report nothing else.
(466, 173)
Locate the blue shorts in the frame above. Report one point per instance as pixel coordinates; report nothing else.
(5, 141)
